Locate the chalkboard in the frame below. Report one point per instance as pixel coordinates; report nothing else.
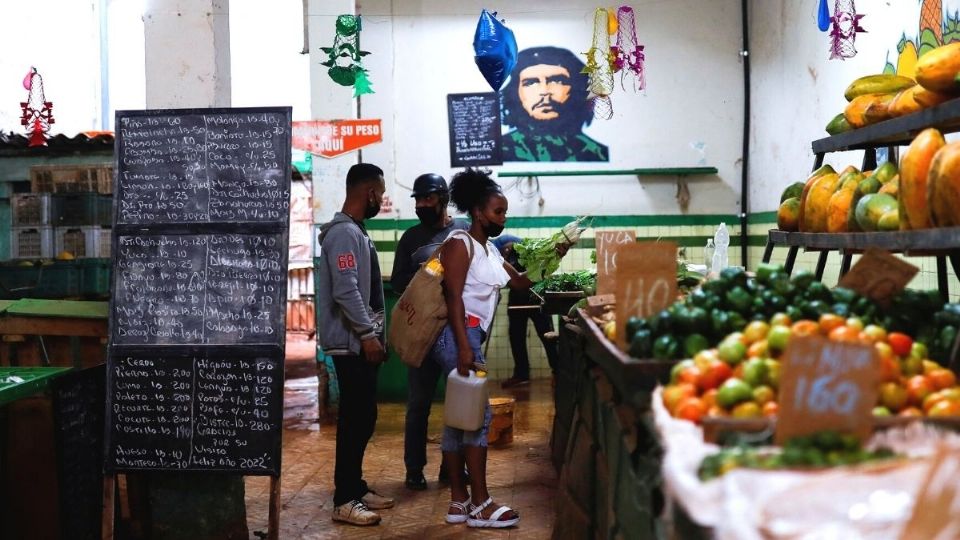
(78, 405)
(197, 330)
(474, 122)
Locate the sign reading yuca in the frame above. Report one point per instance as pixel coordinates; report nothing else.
(607, 244)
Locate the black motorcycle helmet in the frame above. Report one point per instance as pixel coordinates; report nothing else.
(429, 183)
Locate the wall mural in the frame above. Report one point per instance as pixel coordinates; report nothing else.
(545, 105)
(936, 28)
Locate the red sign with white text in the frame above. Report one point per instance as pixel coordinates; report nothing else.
(331, 138)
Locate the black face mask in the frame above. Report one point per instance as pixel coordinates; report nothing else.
(492, 229)
(371, 211)
(428, 215)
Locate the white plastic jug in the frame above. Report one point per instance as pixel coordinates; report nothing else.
(465, 401)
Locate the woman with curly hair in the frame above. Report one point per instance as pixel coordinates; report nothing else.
(471, 287)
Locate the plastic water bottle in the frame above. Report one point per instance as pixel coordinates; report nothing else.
(721, 241)
(708, 254)
(465, 401)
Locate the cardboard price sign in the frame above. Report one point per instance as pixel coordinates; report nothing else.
(826, 385)
(878, 275)
(607, 244)
(646, 282)
(331, 138)
(936, 512)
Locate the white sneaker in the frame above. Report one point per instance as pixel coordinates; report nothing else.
(355, 513)
(375, 501)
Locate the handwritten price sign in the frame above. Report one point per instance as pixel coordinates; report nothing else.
(936, 512)
(607, 244)
(878, 275)
(646, 282)
(826, 385)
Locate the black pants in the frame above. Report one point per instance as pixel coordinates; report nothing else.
(357, 417)
(421, 387)
(517, 328)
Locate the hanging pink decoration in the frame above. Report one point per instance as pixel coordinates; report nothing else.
(628, 53)
(37, 112)
(846, 25)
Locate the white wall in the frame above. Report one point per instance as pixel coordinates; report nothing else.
(422, 51)
(796, 89)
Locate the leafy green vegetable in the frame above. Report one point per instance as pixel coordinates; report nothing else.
(540, 257)
(583, 280)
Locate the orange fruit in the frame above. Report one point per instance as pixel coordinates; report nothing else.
(770, 408)
(942, 378)
(945, 408)
(889, 369)
(893, 396)
(690, 408)
(716, 410)
(689, 374)
(854, 323)
(713, 375)
(883, 349)
(755, 331)
(845, 334)
(910, 411)
(780, 319)
(875, 333)
(900, 343)
(933, 399)
(673, 394)
(747, 409)
(918, 388)
(805, 328)
(709, 398)
(830, 321)
(758, 349)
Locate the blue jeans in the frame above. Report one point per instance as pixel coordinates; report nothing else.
(421, 387)
(445, 353)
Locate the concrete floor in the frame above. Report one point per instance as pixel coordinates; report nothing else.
(519, 475)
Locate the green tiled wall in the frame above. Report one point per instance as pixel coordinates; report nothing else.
(690, 232)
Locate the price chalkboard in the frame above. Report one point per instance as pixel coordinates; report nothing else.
(78, 404)
(474, 122)
(195, 364)
(826, 385)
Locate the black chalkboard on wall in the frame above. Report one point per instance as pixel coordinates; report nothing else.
(197, 330)
(474, 124)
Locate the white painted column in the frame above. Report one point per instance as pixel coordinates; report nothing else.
(328, 101)
(187, 49)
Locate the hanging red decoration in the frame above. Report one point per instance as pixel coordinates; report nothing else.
(37, 112)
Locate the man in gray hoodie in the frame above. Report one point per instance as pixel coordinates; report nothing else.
(350, 308)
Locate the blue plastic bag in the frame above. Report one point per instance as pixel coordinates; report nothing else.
(495, 48)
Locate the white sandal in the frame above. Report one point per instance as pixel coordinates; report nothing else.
(458, 518)
(494, 521)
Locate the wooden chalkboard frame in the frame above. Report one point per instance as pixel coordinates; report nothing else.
(497, 136)
(274, 351)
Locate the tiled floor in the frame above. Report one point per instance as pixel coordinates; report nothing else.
(519, 475)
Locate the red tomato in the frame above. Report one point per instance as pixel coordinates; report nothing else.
(900, 343)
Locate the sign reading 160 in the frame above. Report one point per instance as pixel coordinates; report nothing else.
(821, 396)
(646, 302)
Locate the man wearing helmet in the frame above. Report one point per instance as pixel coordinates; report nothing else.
(414, 248)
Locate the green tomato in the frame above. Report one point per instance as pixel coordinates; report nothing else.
(732, 351)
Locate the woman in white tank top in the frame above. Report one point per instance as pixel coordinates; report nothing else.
(474, 273)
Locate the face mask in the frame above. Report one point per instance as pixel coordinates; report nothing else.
(428, 215)
(371, 211)
(492, 229)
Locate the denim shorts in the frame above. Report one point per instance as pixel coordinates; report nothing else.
(445, 353)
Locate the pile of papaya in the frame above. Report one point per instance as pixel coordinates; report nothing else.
(924, 193)
(875, 98)
(849, 201)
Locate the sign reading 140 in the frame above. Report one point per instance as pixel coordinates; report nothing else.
(646, 281)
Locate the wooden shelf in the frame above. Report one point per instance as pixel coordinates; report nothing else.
(929, 241)
(894, 132)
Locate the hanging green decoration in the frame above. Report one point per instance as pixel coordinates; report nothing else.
(345, 60)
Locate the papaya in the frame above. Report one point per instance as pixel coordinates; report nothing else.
(788, 215)
(824, 170)
(838, 125)
(943, 186)
(793, 190)
(885, 172)
(856, 110)
(816, 206)
(879, 110)
(937, 69)
(914, 168)
(928, 98)
(872, 207)
(877, 84)
(905, 103)
(865, 187)
(892, 187)
(889, 221)
(838, 208)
